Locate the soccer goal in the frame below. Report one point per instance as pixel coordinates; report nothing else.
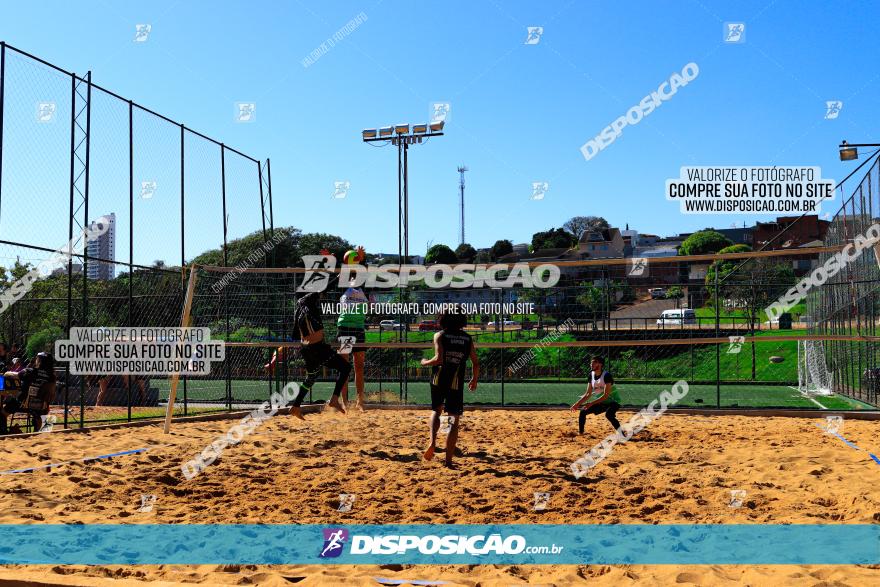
(814, 378)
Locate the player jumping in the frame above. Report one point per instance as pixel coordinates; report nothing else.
(316, 352)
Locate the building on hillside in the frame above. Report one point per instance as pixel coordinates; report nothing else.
(630, 241)
(647, 240)
(789, 232)
(606, 243)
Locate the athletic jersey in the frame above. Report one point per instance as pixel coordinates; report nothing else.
(35, 389)
(307, 321)
(455, 349)
(353, 308)
(599, 384)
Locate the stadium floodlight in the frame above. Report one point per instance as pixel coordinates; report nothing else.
(437, 125)
(401, 129)
(386, 131)
(850, 152)
(369, 133)
(847, 152)
(420, 129)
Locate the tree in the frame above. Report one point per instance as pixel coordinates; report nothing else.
(578, 224)
(313, 243)
(19, 270)
(483, 257)
(441, 254)
(704, 242)
(622, 292)
(283, 247)
(592, 299)
(465, 252)
(675, 293)
(724, 268)
(501, 248)
(555, 238)
(539, 297)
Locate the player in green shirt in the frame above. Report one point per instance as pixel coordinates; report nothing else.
(352, 324)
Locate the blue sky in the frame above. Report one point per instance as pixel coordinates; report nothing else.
(519, 113)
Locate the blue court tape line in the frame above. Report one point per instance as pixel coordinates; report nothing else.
(408, 582)
(850, 444)
(83, 460)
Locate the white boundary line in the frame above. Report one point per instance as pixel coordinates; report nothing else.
(808, 397)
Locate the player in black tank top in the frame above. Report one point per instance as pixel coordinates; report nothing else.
(316, 353)
(452, 349)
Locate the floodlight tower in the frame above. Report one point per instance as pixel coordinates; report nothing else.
(399, 136)
(461, 170)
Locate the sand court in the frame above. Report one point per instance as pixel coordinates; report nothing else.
(682, 469)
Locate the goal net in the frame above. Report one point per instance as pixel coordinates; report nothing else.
(814, 378)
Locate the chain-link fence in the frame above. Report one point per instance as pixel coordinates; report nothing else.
(848, 303)
(73, 153)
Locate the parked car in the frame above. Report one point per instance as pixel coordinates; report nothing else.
(677, 317)
(391, 325)
(657, 293)
(507, 323)
(427, 325)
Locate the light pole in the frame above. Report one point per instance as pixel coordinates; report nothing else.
(400, 136)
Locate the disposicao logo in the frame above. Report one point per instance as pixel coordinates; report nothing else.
(334, 540)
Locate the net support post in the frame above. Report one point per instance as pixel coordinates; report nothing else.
(184, 322)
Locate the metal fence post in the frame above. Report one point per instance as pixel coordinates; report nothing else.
(501, 299)
(130, 229)
(717, 345)
(183, 233)
(2, 109)
(225, 264)
(70, 242)
(85, 292)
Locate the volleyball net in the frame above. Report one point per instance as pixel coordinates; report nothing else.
(534, 344)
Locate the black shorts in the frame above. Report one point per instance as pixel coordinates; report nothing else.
(316, 355)
(453, 399)
(359, 334)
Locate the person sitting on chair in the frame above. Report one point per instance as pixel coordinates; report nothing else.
(37, 385)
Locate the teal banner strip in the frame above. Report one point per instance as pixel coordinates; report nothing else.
(537, 544)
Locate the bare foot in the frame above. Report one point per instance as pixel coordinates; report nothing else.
(429, 454)
(334, 402)
(297, 412)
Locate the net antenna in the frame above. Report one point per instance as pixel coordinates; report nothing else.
(814, 378)
(184, 322)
